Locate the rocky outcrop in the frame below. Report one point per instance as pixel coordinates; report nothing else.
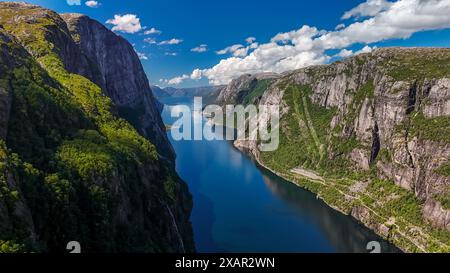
(385, 105)
(116, 68)
(436, 214)
(240, 87)
(438, 96)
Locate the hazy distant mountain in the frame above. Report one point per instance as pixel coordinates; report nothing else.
(209, 93)
(159, 93)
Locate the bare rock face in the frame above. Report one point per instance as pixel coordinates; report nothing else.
(439, 97)
(116, 68)
(436, 214)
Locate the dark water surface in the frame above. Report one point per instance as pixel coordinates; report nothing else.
(239, 207)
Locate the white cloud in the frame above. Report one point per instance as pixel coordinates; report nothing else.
(171, 42)
(200, 48)
(178, 80)
(152, 31)
(92, 4)
(344, 53)
(340, 26)
(250, 40)
(74, 2)
(173, 54)
(196, 74)
(369, 8)
(151, 41)
(128, 23)
(366, 49)
(237, 50)
(308, 45)
(142, 56)
(230, 49)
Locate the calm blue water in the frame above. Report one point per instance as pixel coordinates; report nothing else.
(239, 207)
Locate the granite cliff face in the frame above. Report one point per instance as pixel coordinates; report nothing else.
(114, 66)
(70, 167)
(384, 116)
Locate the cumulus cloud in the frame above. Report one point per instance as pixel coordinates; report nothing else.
(344, 53)
(230, 49)
(250, 40)
(171, 42)
(308, 45)
(74, 2)
(152, 31)
(366, 49)
(369, 8)
(200, 49)
(196, 74)
(340, 26)
(128, 23)
(92, 4)
(178, 80)
(237, 50)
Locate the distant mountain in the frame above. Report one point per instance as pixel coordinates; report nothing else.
(159, 93)
(209, 93)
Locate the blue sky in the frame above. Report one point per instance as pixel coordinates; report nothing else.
(219, 24)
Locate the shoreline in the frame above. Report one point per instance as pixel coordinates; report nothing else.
(260, 164)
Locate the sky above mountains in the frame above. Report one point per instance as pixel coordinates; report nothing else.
(188, 43)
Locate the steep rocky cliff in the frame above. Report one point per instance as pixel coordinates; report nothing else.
(370, 126)
(115, 67)
(70, 167)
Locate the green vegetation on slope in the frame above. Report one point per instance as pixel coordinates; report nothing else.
(256, 92)
(72, 157)
(444, 170)
(304, 128)
(435, 129)
(407, 65)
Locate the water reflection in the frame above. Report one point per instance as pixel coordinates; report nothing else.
(345, 233)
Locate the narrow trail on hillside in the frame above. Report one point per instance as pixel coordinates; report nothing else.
(313, 177)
